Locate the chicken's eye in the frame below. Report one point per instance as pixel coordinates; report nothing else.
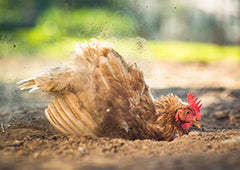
(187, 112)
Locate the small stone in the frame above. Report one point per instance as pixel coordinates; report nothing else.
(70, 139)
(36, 155)
(82, 149)
(209, 146)
(20, 152)
(194, 133)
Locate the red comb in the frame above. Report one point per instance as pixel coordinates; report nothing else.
(194, 104)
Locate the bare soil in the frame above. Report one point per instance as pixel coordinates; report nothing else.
(28, 141)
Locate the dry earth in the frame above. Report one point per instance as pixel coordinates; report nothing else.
(27, 140)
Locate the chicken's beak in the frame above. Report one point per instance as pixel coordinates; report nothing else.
(197, 123)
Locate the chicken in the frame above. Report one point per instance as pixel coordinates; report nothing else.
(99, 94)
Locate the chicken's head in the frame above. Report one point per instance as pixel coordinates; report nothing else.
(189, 113)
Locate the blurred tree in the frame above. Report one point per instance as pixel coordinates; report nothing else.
(24, 13)
(19, 13)
(195, 20)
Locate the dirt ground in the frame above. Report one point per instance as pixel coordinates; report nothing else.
(28, 141)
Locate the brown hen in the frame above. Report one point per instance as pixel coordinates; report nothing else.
(99, 94)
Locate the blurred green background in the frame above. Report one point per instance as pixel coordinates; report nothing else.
(192, 30)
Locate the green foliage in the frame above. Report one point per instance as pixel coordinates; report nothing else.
(188, 51)
(54, 24)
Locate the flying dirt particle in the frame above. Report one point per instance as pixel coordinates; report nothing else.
(14, 46)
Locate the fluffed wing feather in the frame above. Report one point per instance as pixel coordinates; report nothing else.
(68, 117)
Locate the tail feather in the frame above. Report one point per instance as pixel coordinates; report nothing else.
(34, 89)
(26, 84)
